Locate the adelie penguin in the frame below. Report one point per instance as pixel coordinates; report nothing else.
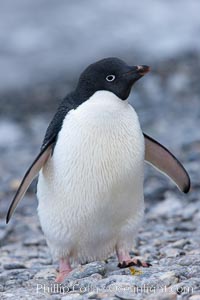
(91, 169)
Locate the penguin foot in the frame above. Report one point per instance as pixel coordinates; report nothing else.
(64, 270)
(133, 262)
(125, 261)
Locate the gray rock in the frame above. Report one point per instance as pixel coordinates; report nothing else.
(55, 297)
(162, 296)
(189, 261)
(74, 296)
(3, 234)
(125, 295)
(170, 252)
(14, 266)
(171, 205)
(3, 279)
(92, 295)
(180, 243)
(89, 269)
(1, 288)
(34, 241)
(185, 226)
(46, 273)
(189, 212)
(187, 287)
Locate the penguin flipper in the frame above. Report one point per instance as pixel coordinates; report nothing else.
(46, 149)
(31, 173)
(162, 159)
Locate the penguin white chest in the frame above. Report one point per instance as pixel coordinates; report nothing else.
(91, 190)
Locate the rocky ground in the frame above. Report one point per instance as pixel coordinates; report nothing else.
(168, 106)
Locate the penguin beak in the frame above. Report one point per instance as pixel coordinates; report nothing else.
(136, 72)
(142, 70)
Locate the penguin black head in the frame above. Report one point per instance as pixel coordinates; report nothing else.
(110, 74)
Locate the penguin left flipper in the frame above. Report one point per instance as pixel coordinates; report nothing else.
(161, 158)
(31, 173)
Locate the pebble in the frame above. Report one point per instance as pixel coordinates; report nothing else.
(189, 212)
(170, 252)
(171, 205)
(125, 295)
(74, 296)
(191, 260)
(180, 243)
(46, 273)
(89, 269)
(14, 266)
(55, 297)
(185, 226)
(34, 241)
(162, 296)
(4, 231)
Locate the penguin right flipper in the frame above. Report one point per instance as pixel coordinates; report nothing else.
(31, 173)
(161, 158)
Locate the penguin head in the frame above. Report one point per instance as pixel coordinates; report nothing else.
(110, 74)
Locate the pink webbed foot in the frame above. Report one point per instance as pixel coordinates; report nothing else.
(125, 261)
(64, 270)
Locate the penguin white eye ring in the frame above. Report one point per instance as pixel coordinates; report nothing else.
(91, 169)
(110, 78)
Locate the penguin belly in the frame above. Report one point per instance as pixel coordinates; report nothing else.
(90, 192)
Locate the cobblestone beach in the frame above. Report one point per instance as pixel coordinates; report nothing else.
(167, 102)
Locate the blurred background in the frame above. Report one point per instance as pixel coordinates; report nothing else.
(45, 44)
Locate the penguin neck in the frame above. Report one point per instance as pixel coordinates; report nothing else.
(107, 100)
(101, 97)
(102, 112)
(102, 106)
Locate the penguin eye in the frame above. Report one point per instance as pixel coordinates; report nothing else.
(110, 78)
